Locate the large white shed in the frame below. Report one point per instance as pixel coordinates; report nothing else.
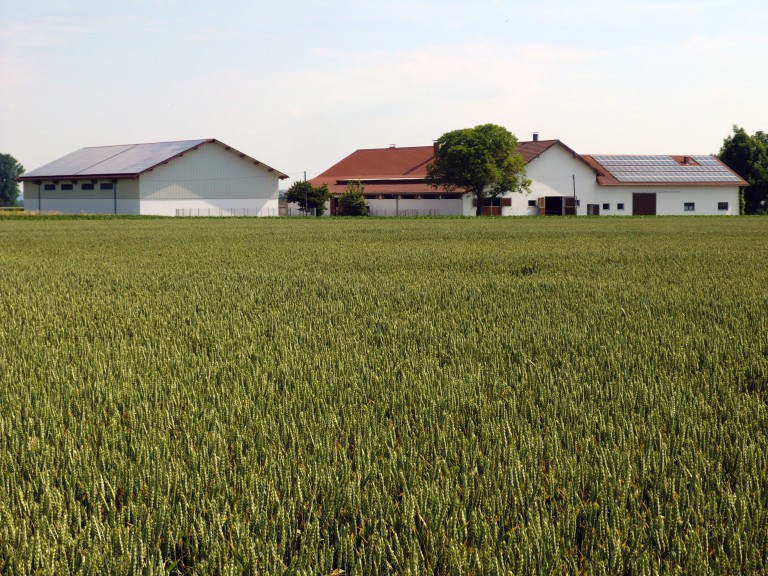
(180, 178)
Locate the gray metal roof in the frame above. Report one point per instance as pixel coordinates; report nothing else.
(117, 161)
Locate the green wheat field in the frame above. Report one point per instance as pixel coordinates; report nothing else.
(413, 396)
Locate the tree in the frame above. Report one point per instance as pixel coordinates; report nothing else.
(10, 169)
(352, 202)
(311, 199)
(748, 157)
(482, 161)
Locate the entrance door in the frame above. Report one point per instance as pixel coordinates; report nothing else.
(553, 206)
(644, 204)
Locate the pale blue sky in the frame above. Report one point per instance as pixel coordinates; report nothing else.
(299, 84)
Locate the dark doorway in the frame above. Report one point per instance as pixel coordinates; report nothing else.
(551, 206)
(644, 204)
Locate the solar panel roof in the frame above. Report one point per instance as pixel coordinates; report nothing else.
(129, 159)
(661, 169)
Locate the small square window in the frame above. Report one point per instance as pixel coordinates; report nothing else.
(689, 206)
(86, 186)
(722, 205)
(49, 187)
(606, 206)
(67, 187)
(531, 203)
(106, 186)
(620, 206)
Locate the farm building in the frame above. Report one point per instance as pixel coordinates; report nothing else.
(182, 178)
(563, 183)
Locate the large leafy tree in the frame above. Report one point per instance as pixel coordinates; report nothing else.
(10, 169)
(748, 157)
(311, 199)
(482, 161)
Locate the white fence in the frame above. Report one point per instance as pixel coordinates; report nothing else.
(403, 212)
(226, 212)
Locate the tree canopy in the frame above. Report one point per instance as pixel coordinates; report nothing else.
(482, 161)
(10, 169)
(352, 202)
(748, 157)
(311, 199)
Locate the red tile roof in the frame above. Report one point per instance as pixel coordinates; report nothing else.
(402, 170)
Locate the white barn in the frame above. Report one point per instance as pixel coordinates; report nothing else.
(181, 178)
(563, 183)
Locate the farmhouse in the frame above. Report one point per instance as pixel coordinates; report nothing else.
(563, 183)
(182, 178)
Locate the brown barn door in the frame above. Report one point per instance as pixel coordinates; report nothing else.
(570, 206)
(644, 204)
(542, 204)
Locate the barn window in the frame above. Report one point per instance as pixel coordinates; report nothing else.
(620, 206)
(86, 186)
(531, 203)
(689, 206)
(106, 186)
(606, 206)
(722, 205)
(67, 187)
(49, 187)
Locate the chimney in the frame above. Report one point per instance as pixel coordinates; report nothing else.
(535, 136)
(435, 147)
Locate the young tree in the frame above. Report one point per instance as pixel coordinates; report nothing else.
(482, 161)
(748, 157)
(308, 197)
(10, 169)
(352, 202)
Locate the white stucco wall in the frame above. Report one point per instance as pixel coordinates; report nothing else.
(671, 201)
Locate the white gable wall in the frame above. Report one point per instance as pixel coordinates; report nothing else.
(210, 181)
(553, 173)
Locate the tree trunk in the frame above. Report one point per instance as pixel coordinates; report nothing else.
(480, 205)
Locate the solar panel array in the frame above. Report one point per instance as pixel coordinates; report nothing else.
(113, 160)
(663, 169)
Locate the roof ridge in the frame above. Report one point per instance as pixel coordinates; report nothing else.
(131, 147)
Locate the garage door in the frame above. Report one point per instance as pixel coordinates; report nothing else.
(644, 204)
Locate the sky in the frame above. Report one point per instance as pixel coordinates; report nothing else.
(300, 84)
